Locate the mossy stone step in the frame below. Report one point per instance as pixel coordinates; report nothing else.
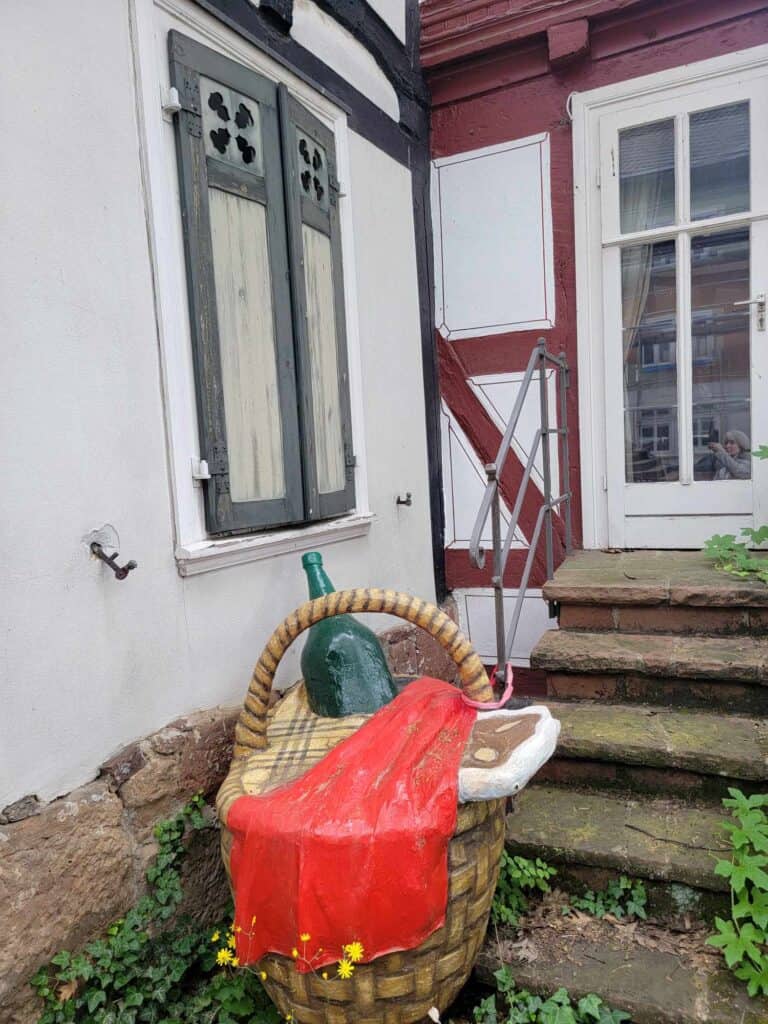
(645, 837)
(696, 741)
(653, 985)
(673, 578)
(741, 659)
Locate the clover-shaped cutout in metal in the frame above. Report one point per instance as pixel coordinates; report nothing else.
(304, 150)
(317, 160)
(220, 139)
(319, 190)
(216, 102)
(243, 117)
(246, 149)
(306, 180)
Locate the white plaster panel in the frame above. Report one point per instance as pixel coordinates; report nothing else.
(497, 393)
(325, 37)
(492, 223)
(477, 619)
(464, 482)
(88, 663)
(393, 13)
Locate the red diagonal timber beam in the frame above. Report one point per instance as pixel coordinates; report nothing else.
(485, 438)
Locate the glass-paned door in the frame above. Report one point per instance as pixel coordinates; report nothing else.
(684, 200)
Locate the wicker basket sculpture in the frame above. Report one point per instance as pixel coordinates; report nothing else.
(399, 988)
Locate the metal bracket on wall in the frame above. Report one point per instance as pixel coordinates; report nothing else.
(120, 571)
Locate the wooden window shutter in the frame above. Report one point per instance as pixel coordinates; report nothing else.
(317, 287)
(236, 244)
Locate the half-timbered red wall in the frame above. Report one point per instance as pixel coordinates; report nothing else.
(504, 69)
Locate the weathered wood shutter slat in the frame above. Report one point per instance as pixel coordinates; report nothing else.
(311, 186)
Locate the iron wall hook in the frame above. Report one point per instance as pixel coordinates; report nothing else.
(120, 571)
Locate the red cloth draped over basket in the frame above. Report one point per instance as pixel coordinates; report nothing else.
(356, 850)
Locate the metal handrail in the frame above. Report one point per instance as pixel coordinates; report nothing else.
(491, 504)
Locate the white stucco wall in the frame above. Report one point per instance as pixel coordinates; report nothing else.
(89, 663)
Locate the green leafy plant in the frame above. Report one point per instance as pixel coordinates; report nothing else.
(743, 939)
(623, 897)
(733, 556)
(518, 876)
(154, 966)
(511, 1005)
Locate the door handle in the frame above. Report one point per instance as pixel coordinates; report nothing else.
(758, 301)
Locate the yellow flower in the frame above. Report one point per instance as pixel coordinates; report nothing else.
(346, 968)
(224, 957)
(235, 962)
(237, 928)
(289, 1016)
(215, 936)
(263, 975)
(325, 975)
(294, 953)
(305, 936)
(231, 941)
(354, 951)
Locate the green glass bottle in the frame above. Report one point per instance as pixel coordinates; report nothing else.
(342, 663)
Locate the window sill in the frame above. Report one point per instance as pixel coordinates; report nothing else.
(208, 555)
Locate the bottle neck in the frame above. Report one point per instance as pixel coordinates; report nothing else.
(317, 581)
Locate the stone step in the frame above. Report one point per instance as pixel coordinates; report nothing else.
(636, 969)
(730, 659)
(645, 837)
(654, 578)
(699, 742)
(664, 618)
(725, 673)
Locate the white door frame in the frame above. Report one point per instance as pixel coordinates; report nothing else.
(587, 108)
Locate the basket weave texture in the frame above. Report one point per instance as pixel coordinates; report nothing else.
(401, 987)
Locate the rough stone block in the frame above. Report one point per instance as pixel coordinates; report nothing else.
(65, 874)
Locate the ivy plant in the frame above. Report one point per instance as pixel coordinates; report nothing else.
(622, 897)
(518, 876)
(733, 556)
(510, 1005)
(154, 966)
(743, 938)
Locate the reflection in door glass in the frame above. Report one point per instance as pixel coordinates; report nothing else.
(720, 161)
(720, 277)
(649, 345)
(647, 176)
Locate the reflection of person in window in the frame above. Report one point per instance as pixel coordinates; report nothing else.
(733, 457)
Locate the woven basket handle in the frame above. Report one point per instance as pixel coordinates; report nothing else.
(251, 729)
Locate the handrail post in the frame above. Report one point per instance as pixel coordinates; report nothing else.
(564, 385)
(498, 569)
(545, 454)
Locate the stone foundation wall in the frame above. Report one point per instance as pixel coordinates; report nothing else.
(70, 867)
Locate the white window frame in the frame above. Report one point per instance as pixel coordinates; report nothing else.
(586, 111)
(195, 551)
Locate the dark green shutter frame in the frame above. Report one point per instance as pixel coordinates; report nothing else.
(198, 172)
(320, 211)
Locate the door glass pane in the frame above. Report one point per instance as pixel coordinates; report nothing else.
(321, 326)
(647, 176)
(720, 277)
(649, 344)
(720, 161)
(247, 346)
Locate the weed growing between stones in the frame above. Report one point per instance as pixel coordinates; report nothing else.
(518, 878)
(733, 556)
(623, 897)
(743, 939)
(153, 966)
(510, 1005)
